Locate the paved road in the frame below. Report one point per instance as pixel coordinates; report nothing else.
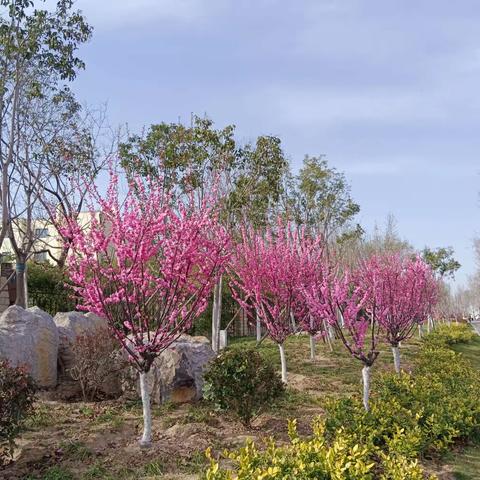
(476, 326)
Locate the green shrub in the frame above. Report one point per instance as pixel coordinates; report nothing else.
(48, 288)
(449, 334)
(415, 413)
(314, 458)
(241, 381)
(16, 402)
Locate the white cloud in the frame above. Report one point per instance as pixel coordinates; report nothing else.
(326, 107)
(125, 13)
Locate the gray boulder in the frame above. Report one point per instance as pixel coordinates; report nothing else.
(71, 325)
(176, 374)
(30, 338)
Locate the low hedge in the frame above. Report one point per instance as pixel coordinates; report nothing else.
(446, 334)
(412, 416)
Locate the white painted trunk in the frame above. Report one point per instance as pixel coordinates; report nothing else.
(366, 386)
(329, 334)
(396, 358)
(258, 329)
(312, 348)
(216, 315)
(283, 362)
(419, 331)
(146, 440)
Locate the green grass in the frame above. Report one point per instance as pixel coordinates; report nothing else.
(467, 463)
(111, 416)
(471, 350)
(57, 473)
(154, 468)
(97, 471)
(75, 450)
(333, 373)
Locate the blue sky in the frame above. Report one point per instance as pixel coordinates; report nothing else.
(388, 90)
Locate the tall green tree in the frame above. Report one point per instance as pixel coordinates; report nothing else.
(38, 57)
(320, 199)
(441, 260)
(198, 157)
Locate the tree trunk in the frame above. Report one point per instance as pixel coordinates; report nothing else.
(21, 281)
(216, 315)
(283, 362)
(329, 334)
(292, 318)
(146, 440)
(396, 357)
(312, 348)
(366, 386)
(258, 329)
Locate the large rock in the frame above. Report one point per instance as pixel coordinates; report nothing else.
(70, 326)
(30, 338)
(177, 373)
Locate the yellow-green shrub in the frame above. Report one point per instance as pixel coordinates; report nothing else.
(449, 334)
(313, 458)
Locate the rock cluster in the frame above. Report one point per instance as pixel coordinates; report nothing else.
(42, 344)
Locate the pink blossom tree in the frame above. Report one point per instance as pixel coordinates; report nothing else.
(315, 272)
(148, 266)
(340, 300)
(404, 293)
(266, 273)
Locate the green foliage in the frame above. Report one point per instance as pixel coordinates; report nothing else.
(188, 158)
(314, 458)
(450, 334)
(179, 154)
(203, 324)
(16, 403)
(57, 473)
(48, 288)
(441, 260)
(241, 381)
(320, 199)
(41, 39)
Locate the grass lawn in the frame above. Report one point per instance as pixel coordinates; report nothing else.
(466, 464)
(84, 441)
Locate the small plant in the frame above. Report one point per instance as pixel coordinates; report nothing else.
(154, 468)
(97, 471)
(16, 403)
(96, 362)
(58, 473)
(450, 334)
(241, 381)
(40, 418)
(193, 464)
(110, 416)
(75, 450)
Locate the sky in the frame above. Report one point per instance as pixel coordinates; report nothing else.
(387, 90)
